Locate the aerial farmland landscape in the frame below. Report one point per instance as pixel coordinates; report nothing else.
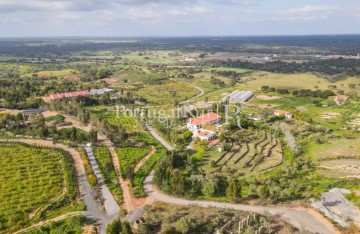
(148, 117)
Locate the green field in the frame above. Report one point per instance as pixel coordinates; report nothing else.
(107, 169)
(73, 225)
(117, 117)
(336, 149)
(58, 74)
(130, 156)
(35, 183)
(168, 93)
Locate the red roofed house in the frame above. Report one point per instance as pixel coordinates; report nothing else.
(287, 114)
(207, 119)
(206, 135)
(340, 99)
(59, 96)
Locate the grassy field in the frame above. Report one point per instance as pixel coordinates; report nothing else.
(31, 179)
(167, 93)
(73, 225)
(340, 148)
(107, 169)
(202, 80)
(255, 80)
(46, 74)
(230, 69)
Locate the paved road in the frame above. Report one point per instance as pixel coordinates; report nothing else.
(111, 206)
(302, 218)
(159, 138)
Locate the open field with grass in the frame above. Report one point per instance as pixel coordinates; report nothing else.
(255, 80)
(340, 168)
(31, 179)
(336, 149)
(58, 74)
(74, 225)
(168, 93)
(107, 169)
(202, 80)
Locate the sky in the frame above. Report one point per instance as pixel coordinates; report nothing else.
(133, 18)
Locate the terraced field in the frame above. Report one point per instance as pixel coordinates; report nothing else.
(256, 152)
(34, 183)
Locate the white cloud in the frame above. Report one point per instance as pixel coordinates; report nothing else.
(306, 13)
(189, 11)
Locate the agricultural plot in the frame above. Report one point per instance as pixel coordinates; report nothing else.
(46, 74)
(255, 81)
(336, 149)
(130, 156)
(35, 182)
(107, 169)
(257, 152)
(168, 93)
(75, 225)
(128, 122)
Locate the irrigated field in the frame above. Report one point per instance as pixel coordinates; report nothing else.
(31, 179)
(258, 151)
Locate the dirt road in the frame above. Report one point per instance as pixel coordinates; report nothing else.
(299, 217)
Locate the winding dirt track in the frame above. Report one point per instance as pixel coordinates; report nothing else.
(299, 217)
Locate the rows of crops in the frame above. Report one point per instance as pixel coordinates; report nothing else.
(146, 168)
(256, 152)
(103, 158)
(130, 156)
(30, 178)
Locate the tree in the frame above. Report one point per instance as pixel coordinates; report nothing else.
(233, 191)
(126, 228)
(114, 228)
(208, 189)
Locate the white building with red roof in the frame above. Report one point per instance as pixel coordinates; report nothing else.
(287, 114)
(340, 99)
(197, 123)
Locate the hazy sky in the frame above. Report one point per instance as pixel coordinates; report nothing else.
(177, 17)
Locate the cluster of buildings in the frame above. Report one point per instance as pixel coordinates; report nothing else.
(59, 96)
(196, 126)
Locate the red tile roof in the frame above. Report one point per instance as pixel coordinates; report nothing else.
(341, 98)
(282, 112)
(58, 96)
(206, 118)
(214, 142)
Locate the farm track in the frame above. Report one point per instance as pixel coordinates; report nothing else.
(202, 92)
(57, 219)
(147, 157)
